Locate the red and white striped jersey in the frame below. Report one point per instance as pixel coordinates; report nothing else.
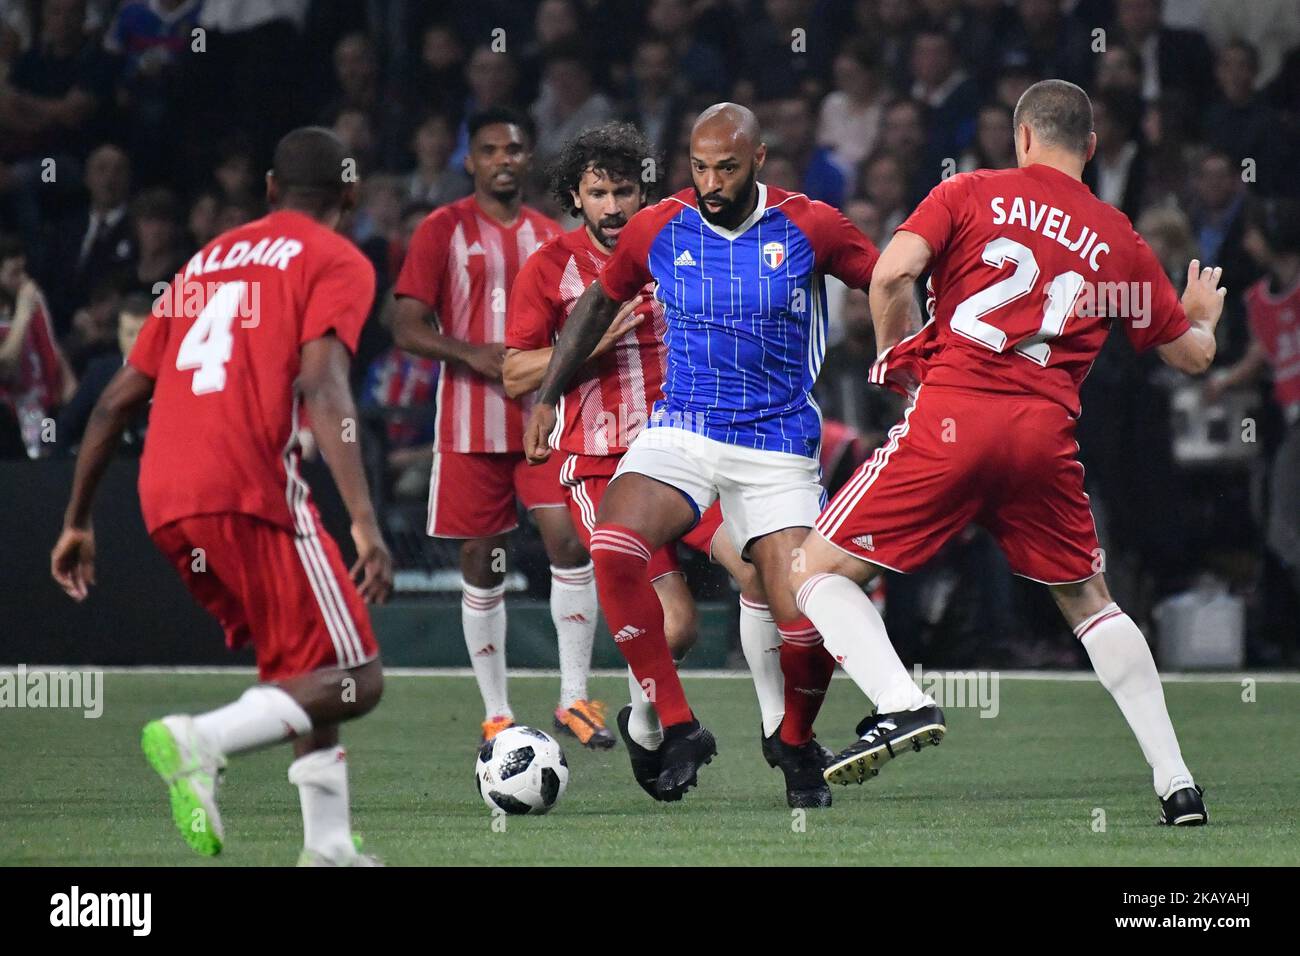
(1275, 323)
(462, 264)
(609, 400)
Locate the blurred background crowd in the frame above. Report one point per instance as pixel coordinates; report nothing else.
(133, 132)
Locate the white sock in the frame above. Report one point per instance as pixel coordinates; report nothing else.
(573, 611)
(761, 643)
(322, 781)
(483, 618)
(263, 715)
(855, 635)
(1123, 662)
(643, 723)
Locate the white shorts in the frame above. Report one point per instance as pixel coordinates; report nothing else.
(761, 491)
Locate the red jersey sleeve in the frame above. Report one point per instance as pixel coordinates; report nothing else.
(425, 265)
(840, 247)
(531, 312)
(339, 299)
(150, 345)
(628, 269)
(935, 219)
(1164, 319)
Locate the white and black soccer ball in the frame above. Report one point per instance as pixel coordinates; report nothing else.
(521, 770)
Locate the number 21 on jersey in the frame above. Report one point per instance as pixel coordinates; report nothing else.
(207, 345)
(968, 318)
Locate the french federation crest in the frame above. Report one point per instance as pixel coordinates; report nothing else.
(773, 254)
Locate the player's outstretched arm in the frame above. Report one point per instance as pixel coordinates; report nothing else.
(524, 369)
(894, 311)
(414, 332)
(72, 563)
(590, 319)
(323, 384)
(1194, 350)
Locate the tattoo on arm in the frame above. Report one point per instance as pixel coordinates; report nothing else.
(581, 334)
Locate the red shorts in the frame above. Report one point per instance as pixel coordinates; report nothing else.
(585, 494)
(473, 495)
(289, 594)
(961, 456)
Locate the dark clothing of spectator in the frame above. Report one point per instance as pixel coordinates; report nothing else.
(41, 73)
(81, 251)
(75, 415)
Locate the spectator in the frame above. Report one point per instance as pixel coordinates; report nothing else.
(52, 109)
(903, 135)
(1171, 60)
(698, 63)
(1273, 315)
(786, 51)
(842, 390)
(93, 325)
(865, 214)
(654, 103)
(780, 170)
(1241, 124)
(1218, 220)
(1048, 42)
(1119, 70)
(131, 316)
(157, 238)
(434, 180)
(492, 78)
(151, 38)
(556, 23)
(884, 182)
(849, 124)
(947, 92)
(1117, 173)
(994, 146)
(96, 241)
(569, 103)
(439, 85)
(791, 129)
(1169, 234)
(357, 77)
(985, 26)
(236, 173)
(34, 376)
(354, 127)
(1271, 27)
(201, 221)
(889, 24)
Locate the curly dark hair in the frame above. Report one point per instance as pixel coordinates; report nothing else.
(619, 150)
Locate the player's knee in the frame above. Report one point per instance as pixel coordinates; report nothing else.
(369, 688)
(620, 557)
(568, 553)
(1081, 600)
(482, 562)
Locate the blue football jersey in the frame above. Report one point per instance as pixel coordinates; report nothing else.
(745, 311)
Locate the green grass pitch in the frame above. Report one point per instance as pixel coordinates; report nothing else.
(1024, 787)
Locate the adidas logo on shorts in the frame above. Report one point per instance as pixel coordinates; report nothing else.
(864, 542)
(685, 259)
(628, 633)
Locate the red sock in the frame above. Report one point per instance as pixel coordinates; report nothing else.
(636, 618)
(807, 667)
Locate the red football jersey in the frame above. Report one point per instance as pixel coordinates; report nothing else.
(1029, 271)
(1275, 324)
(609, 400)
(223, 350)
(462, 264)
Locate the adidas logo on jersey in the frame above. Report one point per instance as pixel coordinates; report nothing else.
(864, 542)
(627, 633)
(685, 259)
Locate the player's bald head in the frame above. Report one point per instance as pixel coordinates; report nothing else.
(1058, 113)
(312, 162)
(726, 126)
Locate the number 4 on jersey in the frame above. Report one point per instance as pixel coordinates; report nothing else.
(207, 346)
(1061, 295)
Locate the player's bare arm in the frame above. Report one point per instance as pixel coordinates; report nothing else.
(590, 319)
(414, 331)
(323, 384)
(1247, 370)
(524, 369)
(1194, 350)
(72, 563)
(894, 311)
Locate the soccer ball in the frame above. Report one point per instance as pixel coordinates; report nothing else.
(521, 770)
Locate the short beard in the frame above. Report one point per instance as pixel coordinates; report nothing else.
(732, 214)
